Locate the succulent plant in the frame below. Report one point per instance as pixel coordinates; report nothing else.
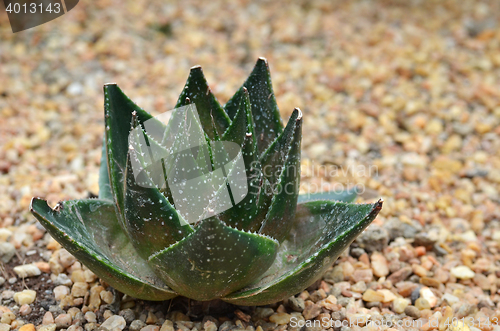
(271, 244)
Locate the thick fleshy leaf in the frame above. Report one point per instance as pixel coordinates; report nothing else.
(89, 230)
(239, 126)
(266, 116)
(152, 222)
(321, 231)
(348, 195)
(274, 158)
(118, 109)
(243, 215)
(214, 260)
(279, 218)
(104, 186)
(210, 112)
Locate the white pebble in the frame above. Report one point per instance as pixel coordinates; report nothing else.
(25, 297)
(27, 270)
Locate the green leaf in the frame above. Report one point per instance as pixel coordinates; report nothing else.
(89, 230)
(152, 222)
(348, 195)
(237, 130)
(214, 260)
(321, 231)
(274, 158)
(118, 109)
(104, 186)
(243, 215)
(266, 115)
(209, 110)
(286, 190)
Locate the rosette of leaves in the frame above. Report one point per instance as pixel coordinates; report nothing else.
(272, 244)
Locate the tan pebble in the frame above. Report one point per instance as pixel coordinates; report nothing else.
(107, 296)
(27, 270)
(27, 327)
(365, 275)
(24, 310)
(151, 319)
(53, 245)
(55, 267)
(388, 295)
(25, 297)
(89, 276)
(48, 318)
(79, 289)
(280, 318)
(60, 292)
(422, 303)
(379, 264)
(151, 328)
(65, 258)
(399, 305)
(405, 288)
(77, 301)
(48, 327)
(372, 296)
(78, 276)
(430, 281)
(73, 311)
(107, 314)
(63, 320)
(95, 296)
(419, 270)
(311, 310)
(462, 272)
(441, 275)
(7, 317)
(90, 317)
(459, 327)
(428, 295)
(43, 266)
(114, 322)
(169, 326)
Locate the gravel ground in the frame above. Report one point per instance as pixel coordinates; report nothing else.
(403, 94)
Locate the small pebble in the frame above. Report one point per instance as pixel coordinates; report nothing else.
(462, 272)
(168, 326)
(280, 318)
(63, 321)
(137, 325)
(412, 311)
(114, 323)
(25, 310)
(151, 328)
(79, 289)
(25, 297)
(90, 317)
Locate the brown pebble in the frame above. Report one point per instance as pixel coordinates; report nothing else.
(400, 275)
(429, 281)
(412, 311)
(311, 310)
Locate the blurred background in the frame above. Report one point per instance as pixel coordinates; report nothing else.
(409, 87)
(401, 98)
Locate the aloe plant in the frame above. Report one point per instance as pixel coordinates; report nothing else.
(265, 248)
